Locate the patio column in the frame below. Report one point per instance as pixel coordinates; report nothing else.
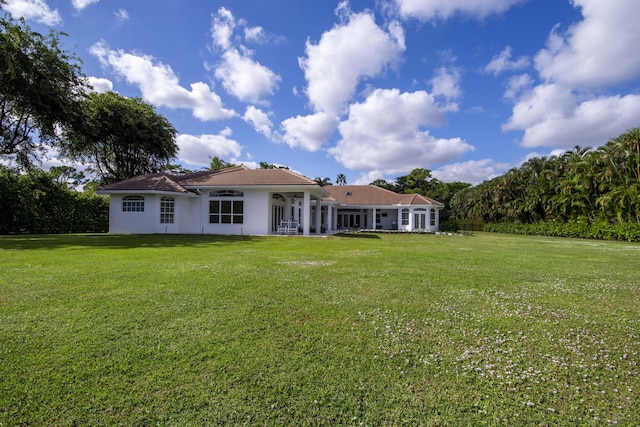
(373, 220)
(287, 208)
(329, 218)
(410, 219)
(318, 216)
(306, 213)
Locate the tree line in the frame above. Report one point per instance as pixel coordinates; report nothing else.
(582, 186)
(47, 108)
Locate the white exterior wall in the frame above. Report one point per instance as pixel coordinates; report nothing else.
(430, 210)
(255, 214)
(133, 222)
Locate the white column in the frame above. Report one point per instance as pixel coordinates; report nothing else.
(287, 209)
(410, 219)
(375, 211)
(306, 213)
(318, 216)
(329, 218)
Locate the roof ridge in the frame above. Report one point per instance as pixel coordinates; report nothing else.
(299, 175)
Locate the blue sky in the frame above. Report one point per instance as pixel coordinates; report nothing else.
(370, 89)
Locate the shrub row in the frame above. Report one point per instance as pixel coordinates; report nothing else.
(600, 230)
(36, 203)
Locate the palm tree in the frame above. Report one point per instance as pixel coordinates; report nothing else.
(341, 179)
(322, 181)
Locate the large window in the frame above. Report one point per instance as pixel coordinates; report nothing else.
(432, 216)
(133, 204)
(167, 208)
(224, 209)
(405, 216)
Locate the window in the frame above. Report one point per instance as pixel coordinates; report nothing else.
(226, 211)
(133, 204)
(405, 216)
(226, 193)
(432, 220)
(167, 208)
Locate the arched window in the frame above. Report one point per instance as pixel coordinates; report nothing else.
(133, 204)
(167, 209)
(226, 193)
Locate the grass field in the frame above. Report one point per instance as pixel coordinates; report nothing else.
(357, 330)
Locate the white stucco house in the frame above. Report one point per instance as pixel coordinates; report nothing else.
(239, 200)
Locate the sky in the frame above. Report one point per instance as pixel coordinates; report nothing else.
(370, 89)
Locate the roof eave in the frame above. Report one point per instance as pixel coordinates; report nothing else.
(158, 192)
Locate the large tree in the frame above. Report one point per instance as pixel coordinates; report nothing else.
(120, 137)
(41, 86)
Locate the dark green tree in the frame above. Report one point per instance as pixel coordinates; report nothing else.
(322, 181)
(217, 163)
(41, 86)
(265, 165)
(120, 137)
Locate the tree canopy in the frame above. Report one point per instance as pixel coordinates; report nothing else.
(41, 88)
(589, 185)
(120, 137)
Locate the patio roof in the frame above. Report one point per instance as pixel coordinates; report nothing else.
(373, 195)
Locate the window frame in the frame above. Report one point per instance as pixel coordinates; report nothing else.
(167, 210)
(226, 207)
(133, 204)
(404, 216)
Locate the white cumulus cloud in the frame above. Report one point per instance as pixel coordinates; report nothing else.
(159, 84)
(338, 62)
(197, 150)
(600, 50)
(429, 10)
(81, 4)
(386, 133)
(472, 171)
(578, 101)
(240, 74)
(308, 132)
(245, 78)
(259, 120)
(99, 84)
(502, 62)
(34, 10)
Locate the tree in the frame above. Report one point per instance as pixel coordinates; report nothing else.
(265, 165)
(41, 87)
(322, 181)
(382, 183)
(120, 137)
(341, 179)
(217, 163)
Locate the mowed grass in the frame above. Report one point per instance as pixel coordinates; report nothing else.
(354, 330)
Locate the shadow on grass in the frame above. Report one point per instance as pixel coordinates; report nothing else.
(358, 235)
(117, 241)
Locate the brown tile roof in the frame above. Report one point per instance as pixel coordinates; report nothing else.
(373, 195)
(152, 182)
(235, 176)
(243, 176)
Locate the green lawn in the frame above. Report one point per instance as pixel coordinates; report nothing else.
(355, 330)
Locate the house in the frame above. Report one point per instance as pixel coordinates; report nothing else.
(239, 200)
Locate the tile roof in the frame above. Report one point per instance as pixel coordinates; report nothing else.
(373, 195)
(235, 176)
(152, 182)
(243, 176)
